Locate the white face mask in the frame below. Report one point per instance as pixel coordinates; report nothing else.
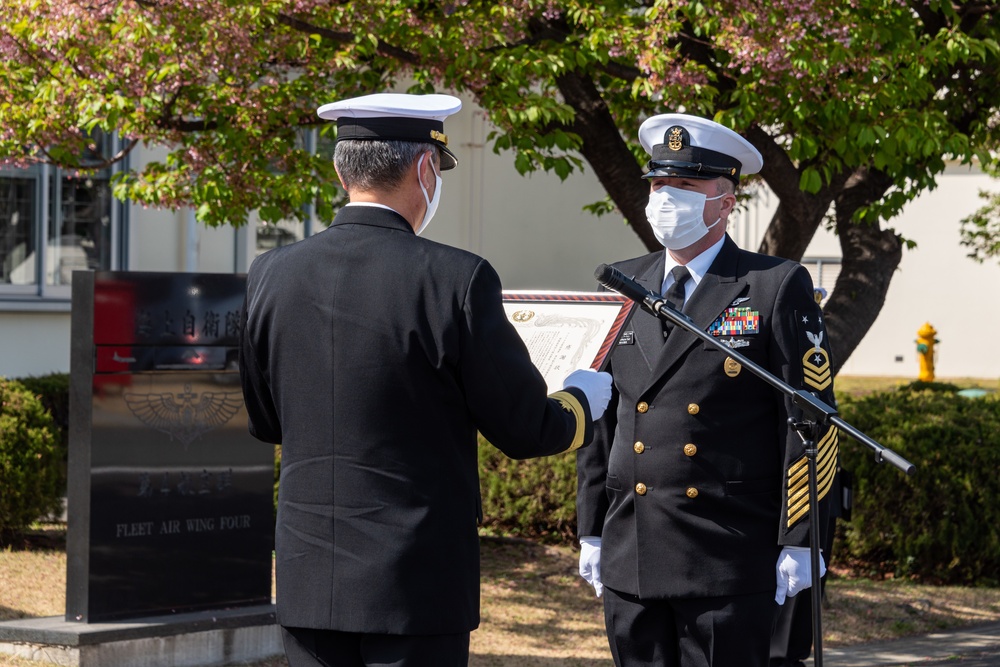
(432, 204)
(677, 216)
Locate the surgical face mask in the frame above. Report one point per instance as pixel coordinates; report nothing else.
(677, 216)
(432, 204)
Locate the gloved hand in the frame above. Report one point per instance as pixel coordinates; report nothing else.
(794, 572)
(590, 562)
(596, 386)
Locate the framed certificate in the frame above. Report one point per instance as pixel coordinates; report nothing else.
(567, 331)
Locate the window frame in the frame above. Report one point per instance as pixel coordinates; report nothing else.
(48, 212)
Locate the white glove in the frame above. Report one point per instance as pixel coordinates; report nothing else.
(794, 572)
(590, 562)
(596, 386)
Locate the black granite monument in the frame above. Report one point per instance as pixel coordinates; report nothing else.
(170, 501)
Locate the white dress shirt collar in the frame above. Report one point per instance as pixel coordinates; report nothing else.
(697, 267)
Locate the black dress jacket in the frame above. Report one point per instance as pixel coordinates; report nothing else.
(373, 356)
(694, 480)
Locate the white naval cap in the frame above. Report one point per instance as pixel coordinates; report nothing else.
(694, 147)
(395, 117)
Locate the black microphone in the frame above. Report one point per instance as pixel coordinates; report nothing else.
(617, 281)
(651, 302)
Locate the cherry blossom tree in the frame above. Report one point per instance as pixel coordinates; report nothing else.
(855, 105)
(981, 230)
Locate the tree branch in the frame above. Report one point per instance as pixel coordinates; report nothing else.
(607, 153)
(341, 37)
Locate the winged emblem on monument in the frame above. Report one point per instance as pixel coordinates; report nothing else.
(187, 415)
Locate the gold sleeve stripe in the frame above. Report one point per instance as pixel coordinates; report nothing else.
(798, 476)
(572, 405)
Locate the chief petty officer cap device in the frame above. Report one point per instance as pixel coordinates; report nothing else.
(395, 117)
(686, 146)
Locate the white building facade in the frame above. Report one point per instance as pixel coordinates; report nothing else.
(532, 229)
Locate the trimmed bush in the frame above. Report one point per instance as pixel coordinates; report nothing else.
(53, 391)
(534, 499)
(939, 524)
(30, 461)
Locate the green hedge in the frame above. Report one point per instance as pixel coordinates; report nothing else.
(30, 470)
(53, 391)
(535, 498)
(938, 525)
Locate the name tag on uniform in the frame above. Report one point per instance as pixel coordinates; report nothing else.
(628, 338)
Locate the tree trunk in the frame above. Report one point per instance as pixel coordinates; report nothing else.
(792, 228)
(870, 257)
(799, 213)
(608, 154)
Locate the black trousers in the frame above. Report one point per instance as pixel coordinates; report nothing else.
(791, 642)
(306, 647)
(698, 632)
(792, 638)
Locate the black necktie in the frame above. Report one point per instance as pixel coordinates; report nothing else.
(675, 295)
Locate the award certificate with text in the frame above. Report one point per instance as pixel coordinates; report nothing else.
(567, 331)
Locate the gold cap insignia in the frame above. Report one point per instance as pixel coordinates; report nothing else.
(439, 136)
(675, 138)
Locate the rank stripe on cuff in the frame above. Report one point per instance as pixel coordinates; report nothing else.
(798, 476)
(572, 405)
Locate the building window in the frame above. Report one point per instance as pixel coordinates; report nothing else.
(53, 222)
(824, 272)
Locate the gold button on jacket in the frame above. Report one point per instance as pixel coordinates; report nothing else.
(692, 492)
(642, 407)
(690, 450)
(639, 447)
(693, 408)
(640, 488)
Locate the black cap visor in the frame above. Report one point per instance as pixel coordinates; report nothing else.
(681, 169)
(691, 162)
(398, 129)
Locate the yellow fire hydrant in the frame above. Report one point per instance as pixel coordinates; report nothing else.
(925, 351)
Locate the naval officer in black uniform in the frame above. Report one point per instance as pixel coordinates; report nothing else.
(692, 501)
(373, 356)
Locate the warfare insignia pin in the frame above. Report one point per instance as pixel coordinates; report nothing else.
(736, 321)
(735, 343)
(739, 300)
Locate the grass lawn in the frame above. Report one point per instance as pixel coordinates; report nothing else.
(537, 611)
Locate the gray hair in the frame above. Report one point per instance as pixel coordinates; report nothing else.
(724, 186)
(367, 165)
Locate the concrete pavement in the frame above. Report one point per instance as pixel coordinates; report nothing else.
(977, 646)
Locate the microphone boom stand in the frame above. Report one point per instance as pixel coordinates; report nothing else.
(816, 414)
